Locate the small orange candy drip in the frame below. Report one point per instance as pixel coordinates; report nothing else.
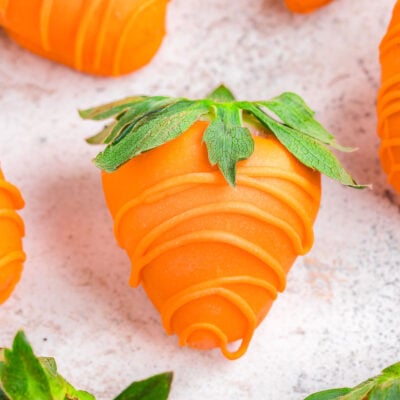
(11, 232)
(212, 258)
(388, 102)
(305, 6)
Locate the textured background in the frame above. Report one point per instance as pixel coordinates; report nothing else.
(338, 321)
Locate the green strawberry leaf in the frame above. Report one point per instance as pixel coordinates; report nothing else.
(332, 394)
(109, 110)
(227, 141)
(294, 112)
(309, 151)
(155, 388)
(129, 118)
(152, 130)
(143, 123)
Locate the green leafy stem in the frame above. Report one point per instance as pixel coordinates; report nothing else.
(23, 376)
(143, 123)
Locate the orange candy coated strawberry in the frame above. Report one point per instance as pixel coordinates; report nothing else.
(212, 258)
(100, 37)
(212, 216)
(305, 6)
(11, 232)
(388, 103)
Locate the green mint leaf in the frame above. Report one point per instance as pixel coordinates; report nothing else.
(387, 391)
(221, 95)
(393, 370)
(358, 393)
(109, 110)
(332, 394)
(227, 141)
(294, 112)
(387, 384)
(309, 151)
(151, 131)
(23, 376)
(59, 387)
(154, 388)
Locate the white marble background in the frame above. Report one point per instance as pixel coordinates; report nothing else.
(337, 323)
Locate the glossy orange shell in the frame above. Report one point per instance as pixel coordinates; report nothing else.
(212, 258)
(305, 6)
(388, 102)
(11, 233)
(102, 37)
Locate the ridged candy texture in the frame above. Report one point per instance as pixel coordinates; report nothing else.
(212, 258)
(388, 102)
(305, 6)
(102, 37)
(11, 232)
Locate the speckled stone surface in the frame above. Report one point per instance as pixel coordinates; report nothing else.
(337, 323)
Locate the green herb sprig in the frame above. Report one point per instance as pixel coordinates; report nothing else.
(23, 376)
(385, 386)
(143, 123)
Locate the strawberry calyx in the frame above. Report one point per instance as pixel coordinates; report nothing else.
(143, 123)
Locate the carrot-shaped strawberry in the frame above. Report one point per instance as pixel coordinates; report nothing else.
(388, 102)
(305, 6)
(100, 37)
(11, 232)
(213, 200)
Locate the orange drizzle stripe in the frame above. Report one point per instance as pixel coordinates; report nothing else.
(387, 85)
(284, 198)
(385, 114)
(157, 192)
(211, 236)
(273, 172)
(390, 142)
(387, 99)
(123, 37)
(12, 257)
(85, 20)
(390, 39)
(45, 15)
(13, 216)
(215, 208)
(13, 192)
(102, 34)
(177, 302)
(223, 340)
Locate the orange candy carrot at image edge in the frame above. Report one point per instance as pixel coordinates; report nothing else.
(305, 6)
(99, 37)
(212, 214)
(388, 102)
(11, 233)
